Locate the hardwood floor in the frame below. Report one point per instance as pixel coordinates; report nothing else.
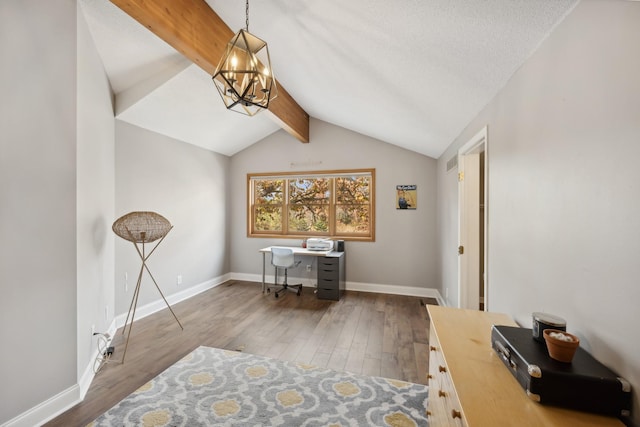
(364, 333)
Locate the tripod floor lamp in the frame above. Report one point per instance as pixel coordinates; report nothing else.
(142, 228)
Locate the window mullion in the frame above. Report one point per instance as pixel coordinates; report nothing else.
(285, 208)
(332, 207)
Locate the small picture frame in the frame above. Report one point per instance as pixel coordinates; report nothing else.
(406, 197)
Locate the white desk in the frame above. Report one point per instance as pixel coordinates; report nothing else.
(297, 250)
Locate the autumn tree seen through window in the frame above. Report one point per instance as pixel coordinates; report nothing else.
(335, 204)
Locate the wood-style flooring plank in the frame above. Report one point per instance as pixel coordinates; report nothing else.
(355, 358)
(364, 333)
(374, 341)
(371, 367)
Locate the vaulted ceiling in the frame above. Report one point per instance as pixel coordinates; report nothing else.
(412, 73)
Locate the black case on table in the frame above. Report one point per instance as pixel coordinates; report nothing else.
(584, 384)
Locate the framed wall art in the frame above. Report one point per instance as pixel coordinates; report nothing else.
(406, 197)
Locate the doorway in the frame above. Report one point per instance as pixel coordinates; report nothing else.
(472, 223)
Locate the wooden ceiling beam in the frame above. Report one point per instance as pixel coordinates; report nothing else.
(195, 30)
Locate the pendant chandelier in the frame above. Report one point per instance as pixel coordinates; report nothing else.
(244, 77)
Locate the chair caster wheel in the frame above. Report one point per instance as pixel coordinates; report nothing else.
(298, 293)
(268, 290)
(276, 295)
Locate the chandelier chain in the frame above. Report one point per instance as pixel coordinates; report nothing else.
(247, 15)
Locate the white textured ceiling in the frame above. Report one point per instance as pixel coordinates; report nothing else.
(412, 73)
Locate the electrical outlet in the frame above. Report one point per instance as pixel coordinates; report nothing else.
(179, 279)
(308, 267)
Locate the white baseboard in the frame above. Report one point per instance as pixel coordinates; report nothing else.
(47, 410)
(61, 402)
(70, 397)
(155, 306)
(415, 291)
(87, 376)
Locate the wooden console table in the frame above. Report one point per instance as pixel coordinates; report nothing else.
(469, 385)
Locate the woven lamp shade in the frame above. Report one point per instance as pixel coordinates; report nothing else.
(141, 227)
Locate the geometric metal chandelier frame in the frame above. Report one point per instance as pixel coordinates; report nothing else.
(244, 78)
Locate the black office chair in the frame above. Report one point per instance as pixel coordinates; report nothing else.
(284, 258)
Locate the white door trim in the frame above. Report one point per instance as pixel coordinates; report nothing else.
(477, 144)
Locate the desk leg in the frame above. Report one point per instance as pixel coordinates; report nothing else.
(263, 266)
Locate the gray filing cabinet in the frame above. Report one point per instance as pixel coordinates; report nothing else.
(331, 276)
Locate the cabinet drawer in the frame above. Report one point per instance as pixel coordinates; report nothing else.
(332, 294)
(327, 281)
(435, 356)
(443, 406)
(435, 411)
(328, 261)
(328, 284)
(450, 403)
(328, 275)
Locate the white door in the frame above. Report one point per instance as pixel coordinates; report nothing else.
(472, 217)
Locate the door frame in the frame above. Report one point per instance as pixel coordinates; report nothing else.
(477, 144)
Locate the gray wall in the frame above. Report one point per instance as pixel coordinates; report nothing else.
(405, 243)
(95, 201)
(564, 199)
(188, 186)
(37, 202)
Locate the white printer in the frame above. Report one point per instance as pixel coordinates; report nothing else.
(316, 244)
